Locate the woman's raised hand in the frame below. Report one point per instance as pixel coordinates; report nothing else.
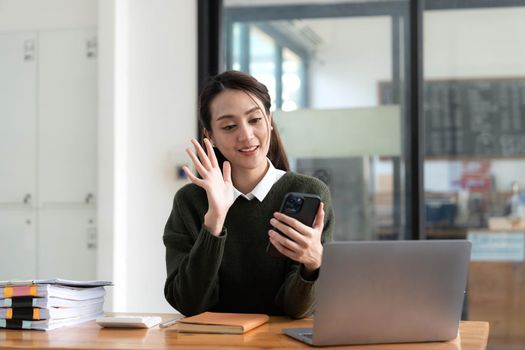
(218, 185)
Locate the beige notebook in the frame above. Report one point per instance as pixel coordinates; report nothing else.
(222, 323)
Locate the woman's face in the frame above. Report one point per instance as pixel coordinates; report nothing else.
(240, 129)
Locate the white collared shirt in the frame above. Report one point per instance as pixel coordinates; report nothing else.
(264, 186)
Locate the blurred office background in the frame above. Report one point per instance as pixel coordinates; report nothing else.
(98, 103)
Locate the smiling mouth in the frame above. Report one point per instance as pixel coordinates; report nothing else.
(248, 149)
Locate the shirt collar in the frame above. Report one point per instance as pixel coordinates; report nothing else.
(264, 186)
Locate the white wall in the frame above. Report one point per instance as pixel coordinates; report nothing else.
(27, 15)
(106, 148)
(152, 115)
(147, 112)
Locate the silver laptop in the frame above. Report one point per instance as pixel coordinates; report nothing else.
(388, 292)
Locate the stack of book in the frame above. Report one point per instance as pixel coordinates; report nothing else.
(49, 304)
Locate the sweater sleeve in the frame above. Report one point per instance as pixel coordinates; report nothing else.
(297, 295)
(193, 258)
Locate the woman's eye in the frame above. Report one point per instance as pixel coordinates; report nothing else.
(228, 127)
(255, 120)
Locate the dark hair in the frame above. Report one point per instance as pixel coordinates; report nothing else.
(236, 80)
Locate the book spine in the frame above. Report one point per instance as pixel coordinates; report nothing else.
(10, 292)
(15, 324)
(17, 302)
(21, 314)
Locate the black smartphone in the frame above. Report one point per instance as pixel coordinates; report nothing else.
(300, 206)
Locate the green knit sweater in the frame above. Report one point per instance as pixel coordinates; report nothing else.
(233, 272)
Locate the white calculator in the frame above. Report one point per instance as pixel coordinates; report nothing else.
(128, 321)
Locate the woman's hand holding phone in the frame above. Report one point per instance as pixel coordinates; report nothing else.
(218, 185)
(301, 243)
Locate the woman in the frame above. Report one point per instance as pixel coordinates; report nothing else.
(220, 225)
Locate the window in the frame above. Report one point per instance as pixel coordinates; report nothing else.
(269, 54)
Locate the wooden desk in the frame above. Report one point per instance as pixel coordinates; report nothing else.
(495, 293)
(473, 336)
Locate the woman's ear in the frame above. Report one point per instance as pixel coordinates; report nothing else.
(207, 135)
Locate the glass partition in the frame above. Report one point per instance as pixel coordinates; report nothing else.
(324, 65)
(474, 102)
(340, 101)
